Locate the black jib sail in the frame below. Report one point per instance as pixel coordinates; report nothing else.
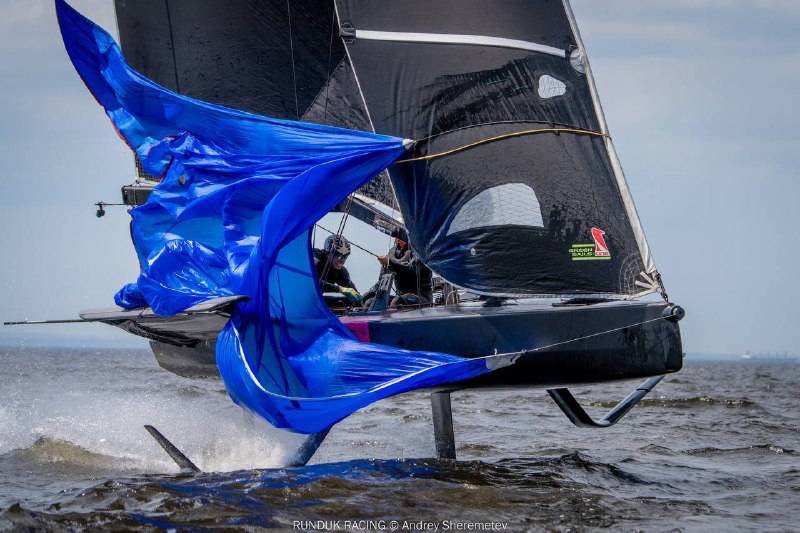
(514, 187)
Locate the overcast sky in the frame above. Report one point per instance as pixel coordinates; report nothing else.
(701, 101)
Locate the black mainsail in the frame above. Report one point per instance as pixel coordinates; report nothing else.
(252, 55)
(270, 57)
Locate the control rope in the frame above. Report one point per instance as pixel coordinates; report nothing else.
(584, 337)
(504, 136)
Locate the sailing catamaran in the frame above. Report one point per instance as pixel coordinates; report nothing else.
(498, 163)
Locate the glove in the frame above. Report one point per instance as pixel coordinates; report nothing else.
(351, 294)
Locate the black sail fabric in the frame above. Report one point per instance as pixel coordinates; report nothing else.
(536, 213)
(340, 104)
(238, 53)
(246, 55)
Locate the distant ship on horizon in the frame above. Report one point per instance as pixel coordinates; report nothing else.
(769, 357)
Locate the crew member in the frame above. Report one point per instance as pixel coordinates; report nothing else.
(331, 272)
(410, 275)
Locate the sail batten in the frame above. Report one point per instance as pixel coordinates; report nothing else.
(449, 38)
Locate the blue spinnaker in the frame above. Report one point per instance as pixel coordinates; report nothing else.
(233, 214)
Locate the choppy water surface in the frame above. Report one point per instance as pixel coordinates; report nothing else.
(713, 448)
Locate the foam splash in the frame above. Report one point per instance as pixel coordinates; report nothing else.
(86, 401)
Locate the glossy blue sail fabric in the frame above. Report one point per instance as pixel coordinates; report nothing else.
(233, 216)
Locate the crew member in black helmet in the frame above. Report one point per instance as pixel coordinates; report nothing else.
(331, 273)
(410, 275)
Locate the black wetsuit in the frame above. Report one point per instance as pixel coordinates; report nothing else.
(410, 275)
(333, 278)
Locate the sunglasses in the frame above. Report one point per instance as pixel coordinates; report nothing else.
(343, 257)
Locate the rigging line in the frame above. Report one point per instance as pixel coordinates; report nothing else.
(328, 73)
(550, 123)
(294, 73)
(663, 289)
(351, 242)
(504, 136)
(584, 337)
(345, 213)
(172, 45)
(419, 280)
(282, 332)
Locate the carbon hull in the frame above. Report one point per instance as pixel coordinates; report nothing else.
(558, 344)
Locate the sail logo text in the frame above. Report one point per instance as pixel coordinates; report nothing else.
(591, 252)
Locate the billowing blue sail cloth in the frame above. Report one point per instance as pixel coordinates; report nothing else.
(233, 216)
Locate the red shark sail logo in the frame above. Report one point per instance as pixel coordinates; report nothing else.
(600, 246)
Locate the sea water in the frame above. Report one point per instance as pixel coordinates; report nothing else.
(713, 448)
